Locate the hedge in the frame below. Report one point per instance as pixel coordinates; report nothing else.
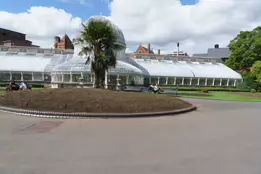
(32, 85)
(208, 89)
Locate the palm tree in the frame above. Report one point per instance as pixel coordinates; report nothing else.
(99, 45)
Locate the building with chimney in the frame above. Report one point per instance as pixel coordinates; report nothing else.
(14, 38)
(143, 50)
(64, 43)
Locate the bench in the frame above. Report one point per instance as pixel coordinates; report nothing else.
(133, 89)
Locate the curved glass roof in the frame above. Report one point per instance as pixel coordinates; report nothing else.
(30, 63)
(187, 69)
(77, 65)
(117, 30)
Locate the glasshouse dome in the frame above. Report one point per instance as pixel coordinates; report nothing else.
(116, 29)
(75, 70)
(118, 32)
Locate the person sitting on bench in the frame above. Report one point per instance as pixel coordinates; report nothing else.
(151, 88)
(156, 88)
(23, 86)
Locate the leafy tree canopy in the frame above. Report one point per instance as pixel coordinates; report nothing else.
(256, 71)
(246, 49)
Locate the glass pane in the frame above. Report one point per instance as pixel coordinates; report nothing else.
(194, 82)
(131, 80)
(202, 82)
(162, 81)
(171, 80)
(16, 76)
(139, 80)
(27, 76)
(224, 82)
(47, 77)
(178, 81)
(59, 77)
(146, 81)
(87, 78)
(38, 76)
(210, 82)
(186, 81)
(123, 80)
(76, 77)
(154, 80)
(66, 77)
(4, 76)
(217, 82)
(231, 82)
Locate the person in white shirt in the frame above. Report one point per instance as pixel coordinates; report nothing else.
(23, 86)
(156, 88)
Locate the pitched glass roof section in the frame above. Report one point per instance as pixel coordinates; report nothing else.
(30, 63)
(169, 68)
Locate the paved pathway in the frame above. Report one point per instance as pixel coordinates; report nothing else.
(219, 138)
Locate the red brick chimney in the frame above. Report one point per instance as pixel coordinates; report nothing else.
(158, 51)
(149, 47)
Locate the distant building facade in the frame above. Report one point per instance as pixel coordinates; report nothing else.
(180, 53)
(13, 38)
(143, 50)
(64, 43)
(216, 52)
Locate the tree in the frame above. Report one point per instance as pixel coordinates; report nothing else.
(249, 81)
(245, 49)
(256, 71)
(99, 45)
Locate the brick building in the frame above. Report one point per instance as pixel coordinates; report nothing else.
(64, 43)
(143, 50)
(13, 38)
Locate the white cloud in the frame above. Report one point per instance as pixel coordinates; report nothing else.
(196, 27)
(162, 23)
(41, 24)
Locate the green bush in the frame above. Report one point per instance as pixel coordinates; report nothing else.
(253, 90)
(205, 90)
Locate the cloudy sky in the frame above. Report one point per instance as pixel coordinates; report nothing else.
(196, 24)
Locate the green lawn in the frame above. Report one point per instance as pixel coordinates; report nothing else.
(226, 96)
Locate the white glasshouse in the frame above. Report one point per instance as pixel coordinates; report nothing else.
(67, 68)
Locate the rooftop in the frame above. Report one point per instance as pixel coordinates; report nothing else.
(3, 29)
(215, 52)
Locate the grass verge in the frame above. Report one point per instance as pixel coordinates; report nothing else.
(228, 96)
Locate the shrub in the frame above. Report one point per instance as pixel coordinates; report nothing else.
(253, 90)
(205, 90)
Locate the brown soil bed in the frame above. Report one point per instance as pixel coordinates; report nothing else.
(91, 100)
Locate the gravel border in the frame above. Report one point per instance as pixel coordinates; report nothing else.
(47, 114)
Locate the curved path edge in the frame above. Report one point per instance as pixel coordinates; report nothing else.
(47, 114)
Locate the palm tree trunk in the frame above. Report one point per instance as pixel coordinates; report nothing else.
(97, 80)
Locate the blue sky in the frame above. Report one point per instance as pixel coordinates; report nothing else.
(75, 7)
